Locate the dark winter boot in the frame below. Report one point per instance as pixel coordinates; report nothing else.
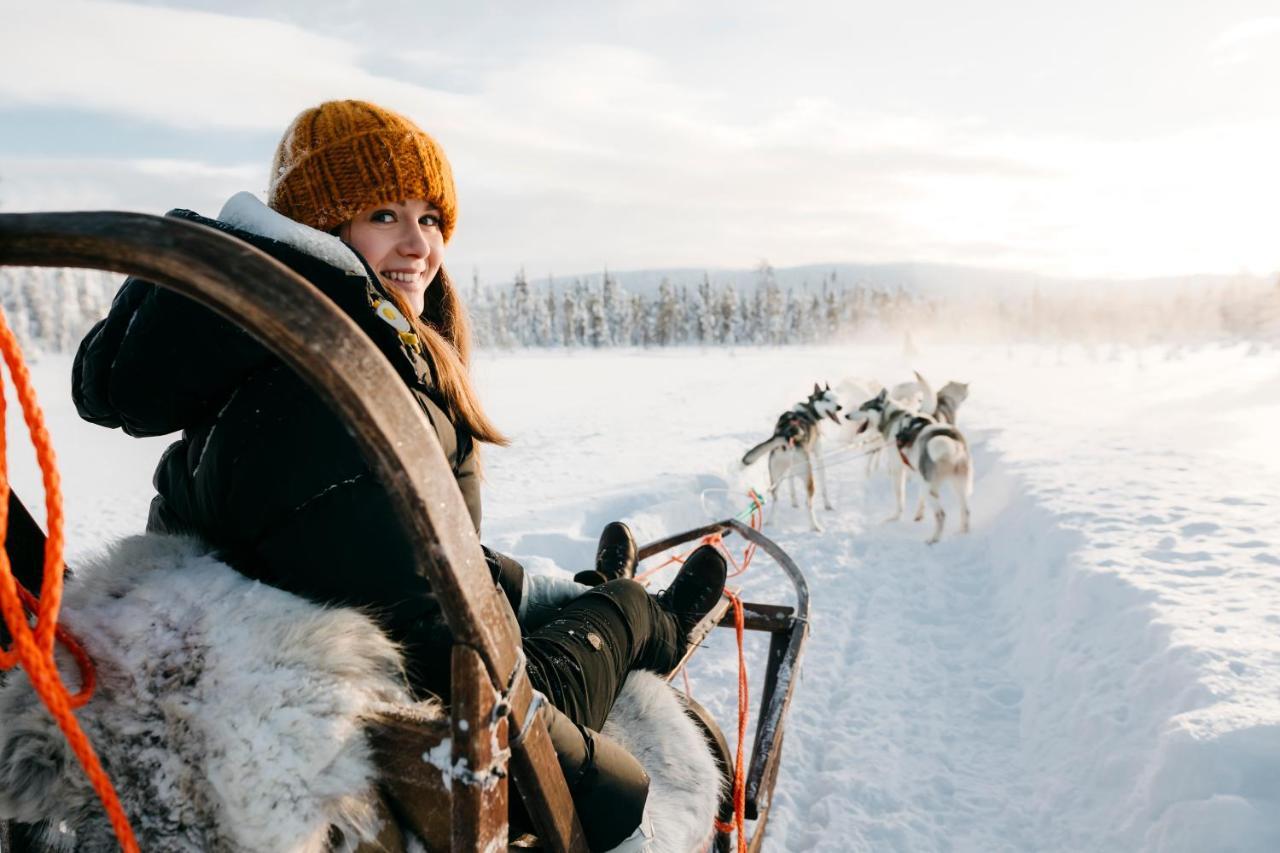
(697, 587)
(615, 556)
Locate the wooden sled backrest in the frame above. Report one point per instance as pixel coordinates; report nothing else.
(289, 316)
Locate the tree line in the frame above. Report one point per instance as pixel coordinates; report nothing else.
(50, 310)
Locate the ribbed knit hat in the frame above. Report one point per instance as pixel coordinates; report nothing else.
(344, 156)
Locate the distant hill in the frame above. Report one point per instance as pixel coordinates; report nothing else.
(920, 278)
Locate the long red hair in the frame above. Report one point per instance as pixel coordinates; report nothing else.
(445, 332)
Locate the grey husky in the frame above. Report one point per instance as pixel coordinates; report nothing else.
(938, 452)
(950, 396)
(910, 435)
(794, 449)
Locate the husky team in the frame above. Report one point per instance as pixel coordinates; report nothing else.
(910, 425)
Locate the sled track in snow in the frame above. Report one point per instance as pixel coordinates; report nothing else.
(993, 692)
(913, 740)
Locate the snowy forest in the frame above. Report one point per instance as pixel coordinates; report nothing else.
(51, 310)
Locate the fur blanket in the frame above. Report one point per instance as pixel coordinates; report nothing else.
(230, 716)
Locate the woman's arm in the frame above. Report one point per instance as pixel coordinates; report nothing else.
(159, 362)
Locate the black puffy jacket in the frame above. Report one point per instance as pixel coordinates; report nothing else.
(264, 472)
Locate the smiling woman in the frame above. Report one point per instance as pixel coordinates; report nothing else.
(401, 240)
(361, 204)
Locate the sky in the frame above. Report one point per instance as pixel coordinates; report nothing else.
(1083, 139)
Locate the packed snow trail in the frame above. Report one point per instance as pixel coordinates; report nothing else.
(1096, 667)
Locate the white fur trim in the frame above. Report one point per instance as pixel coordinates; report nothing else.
(247, 212)
(228, 713)
(684, 781)
(230, 716)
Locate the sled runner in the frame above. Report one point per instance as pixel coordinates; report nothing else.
(492, 726)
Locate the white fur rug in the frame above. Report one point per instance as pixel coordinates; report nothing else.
(230, 717)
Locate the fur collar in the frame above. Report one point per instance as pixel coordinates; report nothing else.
(246, 212)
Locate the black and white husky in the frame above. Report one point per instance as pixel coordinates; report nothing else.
(938, 452)
(795, 449)
(901, 423)
(885, 415)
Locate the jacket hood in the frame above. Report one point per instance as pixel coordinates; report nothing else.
(246, 212)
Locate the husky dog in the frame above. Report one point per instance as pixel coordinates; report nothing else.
(943, 410)
(794, 449)
(950, 396)
(939, 454)
(885, 415)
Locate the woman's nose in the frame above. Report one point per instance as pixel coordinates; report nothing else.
(413, 243)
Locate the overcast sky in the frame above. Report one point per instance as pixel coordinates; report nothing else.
(1084, 138)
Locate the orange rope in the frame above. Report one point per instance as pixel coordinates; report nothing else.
(33, 649)
(739, 620)
(739, 770)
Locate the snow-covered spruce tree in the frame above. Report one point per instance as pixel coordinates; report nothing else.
(479, 312)
(598, 332)
(13, 300)
(617, 310)
(706, 312)
(667, 317)
(542, 325)
(727, 319)
(502, 321)
(638, 312)
(773, 305)
(831, 314)
(568, 318)
(521, 310)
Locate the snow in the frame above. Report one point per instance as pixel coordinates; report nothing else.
(1095, 667)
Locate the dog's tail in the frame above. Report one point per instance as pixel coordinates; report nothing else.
(951, 455)
(762, 448)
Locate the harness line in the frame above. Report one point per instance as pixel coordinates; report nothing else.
(34, 649)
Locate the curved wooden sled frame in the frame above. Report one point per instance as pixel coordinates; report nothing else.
(492, 697)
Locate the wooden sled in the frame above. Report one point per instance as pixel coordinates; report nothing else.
(287, 314)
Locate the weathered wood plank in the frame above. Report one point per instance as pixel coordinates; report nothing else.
(479, 759)
(533, 757)
(410, 750)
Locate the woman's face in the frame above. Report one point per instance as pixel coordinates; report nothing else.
(401, 240)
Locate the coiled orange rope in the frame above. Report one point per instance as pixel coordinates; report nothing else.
(33, 649)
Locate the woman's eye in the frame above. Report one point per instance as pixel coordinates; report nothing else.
(382, 216)
(432, 219)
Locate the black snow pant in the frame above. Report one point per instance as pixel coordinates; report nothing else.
(579, 661)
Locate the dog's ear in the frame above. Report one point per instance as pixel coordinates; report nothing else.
(828, 388)
(816, 389)
(883, 395)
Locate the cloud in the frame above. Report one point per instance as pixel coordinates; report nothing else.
(149, 186)
(176, 67)
(598, 153)
(1238, 44)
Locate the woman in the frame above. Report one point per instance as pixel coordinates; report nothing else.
(362, 204)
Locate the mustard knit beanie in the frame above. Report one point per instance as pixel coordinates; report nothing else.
(343, 156)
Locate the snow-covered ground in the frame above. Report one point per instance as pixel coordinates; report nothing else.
(1095, 667)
